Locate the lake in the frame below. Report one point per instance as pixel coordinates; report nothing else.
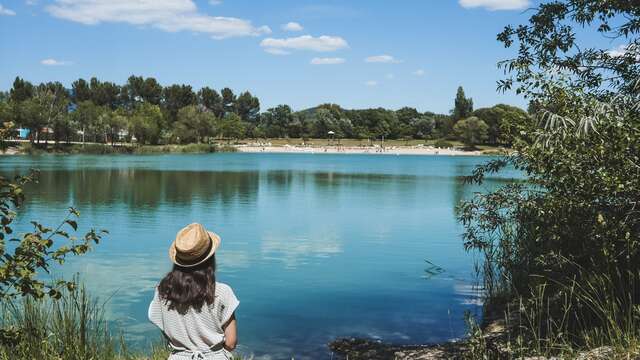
(315, 246)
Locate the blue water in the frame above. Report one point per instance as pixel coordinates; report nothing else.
(315, 246)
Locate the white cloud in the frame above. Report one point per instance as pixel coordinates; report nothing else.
(54, 62)
(495, 4)
(5, 11)
(167, 15)
(371, 83)
(386, 59)
(327, 61)
(277, 51)
(292, 26)
(623, 50)
(419, 72)
(306, 42)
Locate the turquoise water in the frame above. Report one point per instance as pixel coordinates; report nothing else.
(315, 246)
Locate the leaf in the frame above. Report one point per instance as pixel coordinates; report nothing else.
(73, 224)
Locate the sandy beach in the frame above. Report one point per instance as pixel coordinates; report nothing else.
(372, 150)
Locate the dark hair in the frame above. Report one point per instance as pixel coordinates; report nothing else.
(189, 287)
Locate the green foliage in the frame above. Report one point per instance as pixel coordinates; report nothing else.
(194, 124)
(33, 252)
(72, 327)
(566, 245)
(96, 111)
(443, 144)
(471, 131)
(500, 118)
(146, 123)
(231, 126)
(463, 106)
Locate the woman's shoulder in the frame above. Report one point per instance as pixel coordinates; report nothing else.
(223, 289)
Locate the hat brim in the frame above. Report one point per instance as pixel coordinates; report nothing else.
(215, 242)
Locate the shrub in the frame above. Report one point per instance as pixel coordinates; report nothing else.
(442, 144)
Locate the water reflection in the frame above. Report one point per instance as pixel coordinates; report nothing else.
(325, 245)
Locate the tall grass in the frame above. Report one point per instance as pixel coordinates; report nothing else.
(568, 320)
(71, 328)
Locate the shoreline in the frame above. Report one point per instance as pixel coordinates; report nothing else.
(101, 149)
(369, 150)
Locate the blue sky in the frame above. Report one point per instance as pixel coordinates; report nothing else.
(361, 53)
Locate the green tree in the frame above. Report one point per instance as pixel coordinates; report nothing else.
(499, 118)
(210, 99)
(463, 106)
(569, 239)
(106, 94)
(175, 98)
(146, 123)
(114, 122)
(194, 124)
(48, 104)
(85, 117)
(471, 131)
(276, 121)
(422, 126)
(248, 107)
(231, 127)
(80, 91)
(228, 101)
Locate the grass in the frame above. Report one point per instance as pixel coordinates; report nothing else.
(574, 319)
(102, 149)
(71, 328)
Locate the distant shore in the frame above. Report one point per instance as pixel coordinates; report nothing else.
(25, 148)
(392, 150)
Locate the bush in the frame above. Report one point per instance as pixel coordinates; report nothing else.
(442, 144)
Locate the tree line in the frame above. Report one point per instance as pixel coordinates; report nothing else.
(149, 113)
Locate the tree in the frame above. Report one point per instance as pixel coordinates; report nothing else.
(81, 91)
(228, 101)
(463, 106)
(569, 238)
(422, 126)
(210, 99)
(231, 127)
(407, 114)
(498, 118)
(105, 94)
(114, 122)
(48, 104)
(175, 98)
(276, 121)
(194, 124)
(471, 131)
(146, 123)
(22, 90)
(248, 107)
(85, 116)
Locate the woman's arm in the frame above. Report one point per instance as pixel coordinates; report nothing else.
(231, 333)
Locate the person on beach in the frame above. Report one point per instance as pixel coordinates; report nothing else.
(195, 313)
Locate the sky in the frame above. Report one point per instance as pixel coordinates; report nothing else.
(358, 54)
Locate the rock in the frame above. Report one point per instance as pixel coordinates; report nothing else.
(601, 353)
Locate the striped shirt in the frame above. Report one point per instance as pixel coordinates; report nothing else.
(195, 331)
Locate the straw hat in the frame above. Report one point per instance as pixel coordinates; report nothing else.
(193, 246)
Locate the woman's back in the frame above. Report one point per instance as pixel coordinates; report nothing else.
(195, 330)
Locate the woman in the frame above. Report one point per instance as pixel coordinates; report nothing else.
(195, 313)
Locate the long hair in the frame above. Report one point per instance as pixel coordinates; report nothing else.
(189, 288)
